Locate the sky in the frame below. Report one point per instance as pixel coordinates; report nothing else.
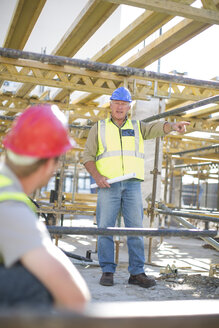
(198, 57)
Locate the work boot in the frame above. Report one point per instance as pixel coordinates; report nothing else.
(107, 279)
(141, 280)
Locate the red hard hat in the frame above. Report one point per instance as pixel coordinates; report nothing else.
(40, 131)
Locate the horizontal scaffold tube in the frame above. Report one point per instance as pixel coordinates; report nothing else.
(81, 127)
(190, 216)
(188, 225)
(7, 118)
(196, 150)
(96, 66)
(65, 211)
(111, 231)
(71, 126)
(182, 109)
(182, 166)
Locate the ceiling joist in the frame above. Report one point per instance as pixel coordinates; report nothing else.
(175, 9)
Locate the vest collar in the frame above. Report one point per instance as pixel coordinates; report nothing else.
(5, 170)
(111, 119)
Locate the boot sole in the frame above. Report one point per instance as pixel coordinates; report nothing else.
(141, 285)
(106, 284)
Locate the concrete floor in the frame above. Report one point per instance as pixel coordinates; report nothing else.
(188, 256)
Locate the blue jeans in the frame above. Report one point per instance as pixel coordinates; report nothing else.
(124, 195)
(19, 288)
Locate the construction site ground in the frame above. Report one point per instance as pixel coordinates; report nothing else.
(185, 263)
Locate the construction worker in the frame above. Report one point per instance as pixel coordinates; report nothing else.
(115, 148)
(33, 271)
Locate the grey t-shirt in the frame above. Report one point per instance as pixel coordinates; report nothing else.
(20, 229)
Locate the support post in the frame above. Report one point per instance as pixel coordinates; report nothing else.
(218, 190)
(170, 186)
(61, 178)
(180, 191)
(155, 173)
(198, 191)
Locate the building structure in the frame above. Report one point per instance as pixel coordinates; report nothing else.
(81, 87)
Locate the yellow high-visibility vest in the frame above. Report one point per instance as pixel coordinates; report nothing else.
(120, 150)
(16, 196)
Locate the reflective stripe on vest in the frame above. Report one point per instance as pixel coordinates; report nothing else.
(120, 150)
(17, 196)
(5, 181)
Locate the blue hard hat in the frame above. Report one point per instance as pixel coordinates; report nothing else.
(122, 94)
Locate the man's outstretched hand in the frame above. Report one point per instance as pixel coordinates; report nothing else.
(178, 126)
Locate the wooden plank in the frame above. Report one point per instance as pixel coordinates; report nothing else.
(145, 25)
(194, 139)
(203, 113)
(143, 91)
(209, 4)
(140, 29)
(23, 21)
(85, 197)
(193, 160)
(167, 42)
(175, 9)
(85, 25)
(103, 82)
(92, 16)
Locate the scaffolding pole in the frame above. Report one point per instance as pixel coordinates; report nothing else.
(197, 149)
(182, 166)
(155, 173)
(97, 66)
(60, 187)
(188, 225)
(183, 109)
(114, 231)
(71, 126)
(189, 215)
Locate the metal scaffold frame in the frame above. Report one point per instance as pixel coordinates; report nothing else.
(122, 74)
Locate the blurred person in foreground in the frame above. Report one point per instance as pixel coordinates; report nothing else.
(33, 271)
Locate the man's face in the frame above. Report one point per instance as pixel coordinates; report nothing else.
(50, 167)
(119, 109)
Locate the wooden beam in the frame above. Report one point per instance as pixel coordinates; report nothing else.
(210, 4)
(197, 124)
(144, 26)
(194, 139)
(133, 34)
(73, 78)
(155, 50)
(18, 104)
(194, 159)
(23, 21)
(170, 40)
(92, 16)
(140, 29)
(85, 25)
(175, 9)
(203, 113)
